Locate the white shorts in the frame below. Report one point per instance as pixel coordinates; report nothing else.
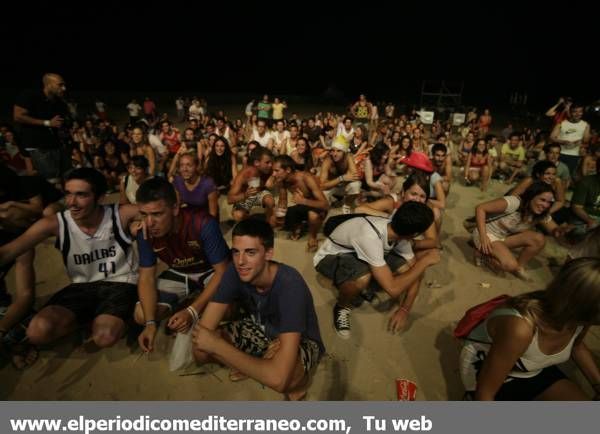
(492, 237)
(174, 287)
(345, 189)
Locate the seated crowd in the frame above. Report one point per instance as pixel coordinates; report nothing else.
(390, 177)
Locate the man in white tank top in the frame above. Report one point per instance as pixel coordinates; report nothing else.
(262, 135)
(573, 134)
(97, 253)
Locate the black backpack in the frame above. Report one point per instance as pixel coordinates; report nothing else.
(333, 222)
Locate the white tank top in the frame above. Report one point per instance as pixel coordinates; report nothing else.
(106, 255)
(571, 132)
(530, 364)
(263, 140)
(226, 134)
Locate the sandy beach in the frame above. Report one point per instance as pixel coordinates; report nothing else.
(362, 368)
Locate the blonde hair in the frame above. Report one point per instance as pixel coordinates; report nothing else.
(573, 296)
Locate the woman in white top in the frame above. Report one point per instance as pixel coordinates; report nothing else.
(512, 355)
(509, 223)
(138, 173)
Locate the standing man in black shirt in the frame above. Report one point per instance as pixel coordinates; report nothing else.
(40, 117)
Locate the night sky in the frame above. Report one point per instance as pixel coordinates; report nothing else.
(299, 48)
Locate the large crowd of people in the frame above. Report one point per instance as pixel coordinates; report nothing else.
(374, 181)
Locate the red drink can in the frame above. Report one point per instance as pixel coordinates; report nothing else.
(406, 389)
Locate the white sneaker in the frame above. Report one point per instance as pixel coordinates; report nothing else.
(523, 275)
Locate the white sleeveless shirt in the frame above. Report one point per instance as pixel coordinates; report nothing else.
(571, 132)
(106, 255)
(478, 343)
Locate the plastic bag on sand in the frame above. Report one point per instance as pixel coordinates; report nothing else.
(181, 354)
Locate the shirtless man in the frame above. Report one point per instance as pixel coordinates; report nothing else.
(310, 203)
(248, 189)
(442, 164)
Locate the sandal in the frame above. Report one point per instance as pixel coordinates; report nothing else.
(23, 356)
(296, 234)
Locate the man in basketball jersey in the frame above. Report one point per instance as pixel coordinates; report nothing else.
(361, 110)
(190, 242)
(97, 253)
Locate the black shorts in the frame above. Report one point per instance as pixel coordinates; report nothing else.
(5, 238)
(347, 266)
(298, 214)
(528, 389)
(88, 300)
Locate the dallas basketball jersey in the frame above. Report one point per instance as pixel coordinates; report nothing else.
(106, 255)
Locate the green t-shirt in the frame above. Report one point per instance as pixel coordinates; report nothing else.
(263, 110)
(587, 194)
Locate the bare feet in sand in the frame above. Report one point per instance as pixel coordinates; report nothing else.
(312, 245)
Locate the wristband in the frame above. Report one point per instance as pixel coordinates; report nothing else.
(46, 123)
(341, 178)
(193, 312)
(151, 321)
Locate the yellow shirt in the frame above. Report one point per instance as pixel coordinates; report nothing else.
(278, 111)
(517, 154)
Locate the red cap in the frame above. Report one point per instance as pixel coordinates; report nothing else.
(418, 160)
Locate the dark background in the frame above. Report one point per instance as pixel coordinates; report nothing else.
(383, 49)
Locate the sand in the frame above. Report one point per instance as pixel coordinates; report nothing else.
(362, 368)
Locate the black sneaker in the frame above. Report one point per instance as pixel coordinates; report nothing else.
(341, 321)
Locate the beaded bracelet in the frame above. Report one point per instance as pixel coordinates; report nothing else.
(193, 312)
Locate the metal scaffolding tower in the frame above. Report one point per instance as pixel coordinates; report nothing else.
(441, 95)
